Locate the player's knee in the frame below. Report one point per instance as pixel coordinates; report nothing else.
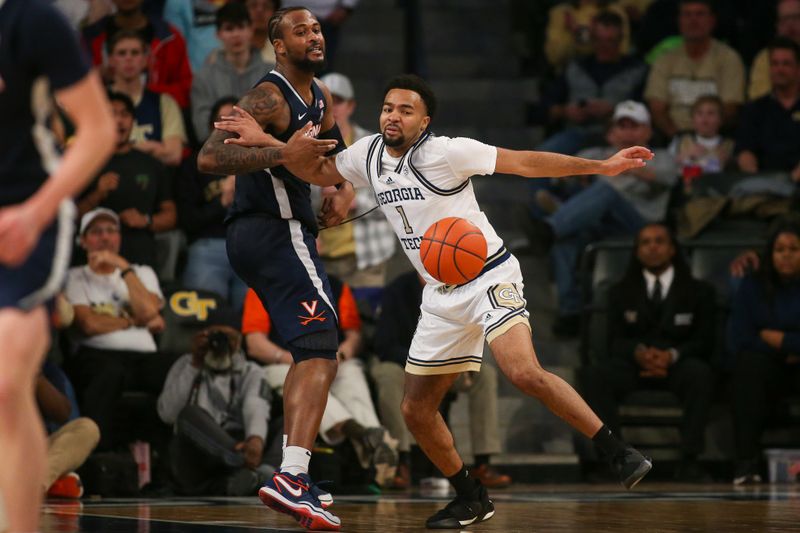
(413, 413)
(531, 379)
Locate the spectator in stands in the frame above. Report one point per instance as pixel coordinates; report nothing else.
(228, 71)
(350, 413)
(611, 205)
(660, 335)
(194, 19)
(769, 132)
(568, 33)
(158, 129)
(703, 150)
(203, 201)
(71, 438)
(702, 65)
(584, 96)
(356, 253)
(764, 337)
(136, 187)
(167, 67)
(260, 13)
(82, 13)
(788, 26)
(219, 404)
(331, 15)
(116, 314)
(396, 325)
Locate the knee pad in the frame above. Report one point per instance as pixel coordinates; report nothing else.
(317, 345)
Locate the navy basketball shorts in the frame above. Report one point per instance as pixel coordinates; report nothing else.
(40, 277)
(278, 259)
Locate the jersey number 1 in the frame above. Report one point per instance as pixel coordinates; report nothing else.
(406, 226)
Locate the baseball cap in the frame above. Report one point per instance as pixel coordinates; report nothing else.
(89, 217)
(339, 84)
(636, 111)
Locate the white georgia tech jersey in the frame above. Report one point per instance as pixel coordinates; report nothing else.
(428, 183)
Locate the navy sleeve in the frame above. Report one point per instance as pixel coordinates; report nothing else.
(51, 45)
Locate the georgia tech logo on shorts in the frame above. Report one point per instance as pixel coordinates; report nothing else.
(311, 309)
(187, 303)
(506, 295)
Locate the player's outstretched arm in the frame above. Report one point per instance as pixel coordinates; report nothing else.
(550, 165)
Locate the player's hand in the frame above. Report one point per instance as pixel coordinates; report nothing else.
(335, 206)
(745, 262)
(108, 182)
(19, 231)
(626, 159)
(302, 146)
(249, 131)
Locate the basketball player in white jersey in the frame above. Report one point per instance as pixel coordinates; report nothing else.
(418, 179)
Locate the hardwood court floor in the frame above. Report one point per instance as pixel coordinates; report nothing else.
(653, 508)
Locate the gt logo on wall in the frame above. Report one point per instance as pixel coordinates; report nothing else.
(188, 303)
(506, 295)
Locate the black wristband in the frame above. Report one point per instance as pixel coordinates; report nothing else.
(126, 272)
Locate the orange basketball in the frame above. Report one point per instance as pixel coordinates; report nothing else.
(453, 250)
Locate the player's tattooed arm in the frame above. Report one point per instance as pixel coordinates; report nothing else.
(218, 157)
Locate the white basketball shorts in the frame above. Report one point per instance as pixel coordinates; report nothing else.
(454, 321)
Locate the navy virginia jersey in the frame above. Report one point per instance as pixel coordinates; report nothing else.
(39, 53)
(276, 192)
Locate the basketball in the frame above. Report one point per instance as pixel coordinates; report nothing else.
(453, 250)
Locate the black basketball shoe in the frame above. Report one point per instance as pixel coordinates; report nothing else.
(631, 466)
(463, 512)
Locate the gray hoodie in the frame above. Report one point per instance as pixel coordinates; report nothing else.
(219, 78)
(241, 406)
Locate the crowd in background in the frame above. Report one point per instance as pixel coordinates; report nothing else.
(618, 73)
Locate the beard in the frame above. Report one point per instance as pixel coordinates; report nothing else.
(308, 65)
(394, 142)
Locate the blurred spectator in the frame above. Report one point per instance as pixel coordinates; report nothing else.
(71, 438)
(167, 67)
(704, 150)
(228, 71)
(659, 319)
(260, 13)
(612, 205)
(349, 413)
(84, 12)
(702, 65)
(158, 129)
(116, 314)
(203, 201)
(331, 15)
(769, 129)
(396, 325)
(584, 96)
(764, 337)
(195, 20)
(568, 33)
(136, 187)
(787, 25)
(356, 253)
(219, 404)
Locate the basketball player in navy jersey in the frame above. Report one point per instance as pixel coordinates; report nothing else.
(38, 54)
(271, 245)
(418, 178)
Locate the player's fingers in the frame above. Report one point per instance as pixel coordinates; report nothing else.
(235, 140)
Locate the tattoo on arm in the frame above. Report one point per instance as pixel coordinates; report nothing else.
(220, 158)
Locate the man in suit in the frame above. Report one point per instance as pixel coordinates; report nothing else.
(661, 336)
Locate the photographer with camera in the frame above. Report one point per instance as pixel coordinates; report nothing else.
(219, 404)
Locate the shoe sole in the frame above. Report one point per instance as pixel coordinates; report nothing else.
(638, 474)
(304, 513)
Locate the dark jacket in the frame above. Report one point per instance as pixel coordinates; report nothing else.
(685, 321)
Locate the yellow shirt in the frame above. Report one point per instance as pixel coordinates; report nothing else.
(678, 80)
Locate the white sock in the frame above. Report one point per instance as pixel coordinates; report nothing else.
(295, 460)
(283, 448)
